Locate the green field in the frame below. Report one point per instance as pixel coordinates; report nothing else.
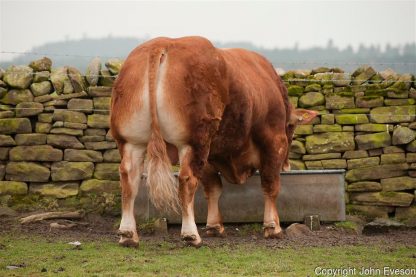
(40, 256)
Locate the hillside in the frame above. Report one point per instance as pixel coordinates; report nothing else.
(78, 53)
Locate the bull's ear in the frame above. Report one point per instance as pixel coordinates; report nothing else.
(304, 116)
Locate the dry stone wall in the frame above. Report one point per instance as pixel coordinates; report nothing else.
(56, 150)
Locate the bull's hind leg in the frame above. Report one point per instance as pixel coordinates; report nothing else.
(272, 158)
(188, 183)
(213, 189)
(131, 168)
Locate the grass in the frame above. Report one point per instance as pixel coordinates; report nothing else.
(153, 257)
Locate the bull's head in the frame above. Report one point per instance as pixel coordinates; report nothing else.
(298, 116)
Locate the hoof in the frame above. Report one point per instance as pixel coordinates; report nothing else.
(216, 231)
(272, 233)
(128, 238)
(192, 240)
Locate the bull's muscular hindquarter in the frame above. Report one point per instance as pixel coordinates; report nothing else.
(223, 110)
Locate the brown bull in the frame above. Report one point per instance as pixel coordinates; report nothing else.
(218, 110)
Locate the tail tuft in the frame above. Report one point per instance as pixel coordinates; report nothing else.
(163, 186)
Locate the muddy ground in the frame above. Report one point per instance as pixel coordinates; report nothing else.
(98, 228)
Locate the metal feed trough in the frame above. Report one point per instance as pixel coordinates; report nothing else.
(303, 193)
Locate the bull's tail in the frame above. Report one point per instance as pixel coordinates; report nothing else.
(163, 189)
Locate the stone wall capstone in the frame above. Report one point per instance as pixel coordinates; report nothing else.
(56, 150)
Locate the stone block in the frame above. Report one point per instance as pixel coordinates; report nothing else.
(411, 147)
(377, 172)
(74, 155)
(107, 171)
(317, 157)
(64, 141)
(406, 214)
(363, 162)
(94, 132)
(399, 102)
(296, 147)
(394, 158)
(71, 171)
(18, 76)
(102, 105)
(6, 114)
(322, 128)
(13, 188)
(411, 157)
(295, 90)
(355, 154)
(393, 114)
(398, 183)
(98, 121)
(93, 71)
(369, 212)
(351, 119)
(16, 96)
(25, 109)
(45, 117)
(114, 65)
(372, 141)
(403, 135)
(364, 186)
(58, 190)
(314, 165)
(369, 101)
(371, 127)
(100, 186)
(42, 88)
(41, 76)
(362, 74)
(387, 198)
(6, 140)
(334, 164)
(392, 149)
(313, 87)
(30, 139)
(27, 172)
(99, 91)
(297, 165)
(330, 142)
(66, 131)
(100, 145)
(92, 138)
(43, 128)
(80, 105)
(339, 102)
(43, 64)
(76, 79)
(106, 79)
(69, 116)
(311, 99)
(327, 119)
(15, 126)
(44, 153)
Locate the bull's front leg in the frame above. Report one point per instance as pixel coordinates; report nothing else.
(188, 184)
(272, 159)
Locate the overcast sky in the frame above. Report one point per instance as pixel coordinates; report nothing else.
(25, 24)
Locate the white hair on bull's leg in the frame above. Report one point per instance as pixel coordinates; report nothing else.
(162, 184)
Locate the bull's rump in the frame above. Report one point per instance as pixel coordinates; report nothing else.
(190, 92)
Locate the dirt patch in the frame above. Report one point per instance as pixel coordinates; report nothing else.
(98, 228)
